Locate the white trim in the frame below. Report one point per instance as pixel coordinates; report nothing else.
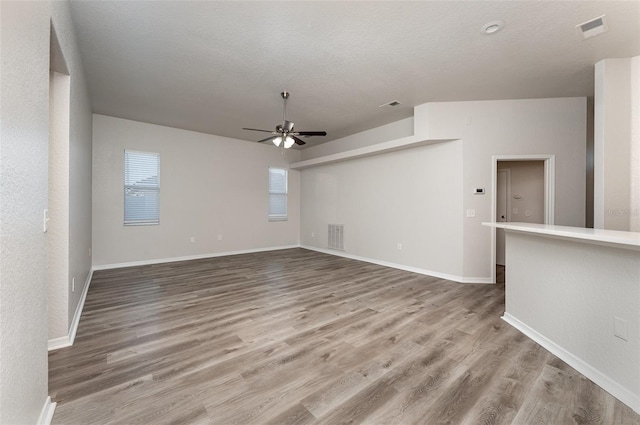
(549, 193)
(190, 257)
(432, 273)
(46, 414)
(57, 343)
(67, 340)
(605, 382)
(376, 149)
(76, 317)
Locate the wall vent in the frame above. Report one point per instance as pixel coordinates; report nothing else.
(593, 27)
(336, 236)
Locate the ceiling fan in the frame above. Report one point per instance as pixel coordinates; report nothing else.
(284, 133)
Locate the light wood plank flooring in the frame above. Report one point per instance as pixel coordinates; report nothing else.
(299, 337)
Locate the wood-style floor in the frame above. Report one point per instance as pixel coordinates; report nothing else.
(299, 337)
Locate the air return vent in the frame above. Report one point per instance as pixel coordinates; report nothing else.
(390, 104)
(336, 236)
(593, 27)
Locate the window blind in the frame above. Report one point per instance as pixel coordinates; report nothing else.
(277, 194)
(141, 188)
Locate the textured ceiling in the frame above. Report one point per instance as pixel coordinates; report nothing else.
(216, 67)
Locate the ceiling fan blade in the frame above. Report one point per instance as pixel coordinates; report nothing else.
(257, 129)
(311, 133)
(297, 140)
(268, 139)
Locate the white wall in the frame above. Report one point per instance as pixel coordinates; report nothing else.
(80, 153)
(25, 42)
(209, 186)
(634, 222)
(510, 127)
(567, 294)
(420, 197)
(24, 55)
(391, 131)
(404, 197)
(58, 233)
(617, 137)
(527, 190)
(70, 174)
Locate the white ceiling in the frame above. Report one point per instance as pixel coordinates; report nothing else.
(216, 67)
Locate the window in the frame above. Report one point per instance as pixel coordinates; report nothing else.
(277, 194)
(141, 188)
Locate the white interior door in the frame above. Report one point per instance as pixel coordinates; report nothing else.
(502, 208)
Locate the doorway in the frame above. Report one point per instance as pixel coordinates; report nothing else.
(523, 191)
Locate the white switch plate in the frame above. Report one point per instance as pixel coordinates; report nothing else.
(192, 239)
(399, 247)
(471, 213)
(219, 237)
(45, 221)
(73, 284)
(621, 328)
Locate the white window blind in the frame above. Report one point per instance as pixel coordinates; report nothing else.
(141, 188)
(277, 194)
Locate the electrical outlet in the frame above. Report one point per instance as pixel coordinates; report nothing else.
(192, 239)
(219, 237)
(527, 213)
(73, 284)
(471, 213)
(313, 234)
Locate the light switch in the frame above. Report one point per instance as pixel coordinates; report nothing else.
(45, 221)
(471, 213)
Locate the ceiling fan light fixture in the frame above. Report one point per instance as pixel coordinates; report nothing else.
(277, 140)
(288, 142)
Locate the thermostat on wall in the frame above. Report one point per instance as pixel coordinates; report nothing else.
(478, 191)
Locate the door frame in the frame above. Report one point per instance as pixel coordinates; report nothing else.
(549, 193)
(508, 172)
(507, 218)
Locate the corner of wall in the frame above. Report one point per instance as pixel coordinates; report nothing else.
(421, 120)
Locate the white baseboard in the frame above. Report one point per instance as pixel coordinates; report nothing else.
(605, 382)
(432, 273)
(76, 317)
(67, 340)
(46, 414)
(190, 257)
(57, 343)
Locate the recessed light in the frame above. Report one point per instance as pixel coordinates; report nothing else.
(492, 27)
